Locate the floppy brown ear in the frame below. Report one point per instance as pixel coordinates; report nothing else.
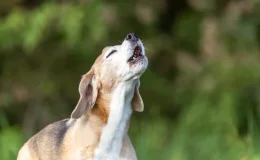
(137, 101)
(88, 91)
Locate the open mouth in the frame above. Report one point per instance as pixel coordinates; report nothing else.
(136, 55)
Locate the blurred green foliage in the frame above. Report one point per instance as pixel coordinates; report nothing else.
(201, 90)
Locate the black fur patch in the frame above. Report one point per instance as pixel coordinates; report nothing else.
(47, 143)
(61, 131)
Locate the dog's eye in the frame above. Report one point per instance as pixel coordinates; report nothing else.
(113, 51)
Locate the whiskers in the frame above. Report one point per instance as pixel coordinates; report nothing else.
(146, 47)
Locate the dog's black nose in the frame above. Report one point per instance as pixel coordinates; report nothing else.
(131, 37)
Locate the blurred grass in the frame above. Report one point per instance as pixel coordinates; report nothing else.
(11, 138)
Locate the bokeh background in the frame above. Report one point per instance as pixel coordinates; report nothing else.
(201, 90)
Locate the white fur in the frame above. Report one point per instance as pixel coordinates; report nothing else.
(118, 61)
(68, 123)
(120, 110)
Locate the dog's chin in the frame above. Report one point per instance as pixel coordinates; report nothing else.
(138, 69)
(135, 73)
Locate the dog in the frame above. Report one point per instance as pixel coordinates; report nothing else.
(98, 127)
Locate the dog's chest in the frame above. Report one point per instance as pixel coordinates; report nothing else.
(111, 139)
(112, 135)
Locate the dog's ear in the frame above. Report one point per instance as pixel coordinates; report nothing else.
(137, 101)
(88, 90)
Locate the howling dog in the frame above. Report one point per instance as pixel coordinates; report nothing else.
(98, 127)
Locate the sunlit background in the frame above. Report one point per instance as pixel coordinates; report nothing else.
(201, 90)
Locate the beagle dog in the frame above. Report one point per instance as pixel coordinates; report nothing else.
(98, 127)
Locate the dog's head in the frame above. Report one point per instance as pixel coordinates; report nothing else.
(116, 64)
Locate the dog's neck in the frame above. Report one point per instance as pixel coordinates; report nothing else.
(116, 128)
